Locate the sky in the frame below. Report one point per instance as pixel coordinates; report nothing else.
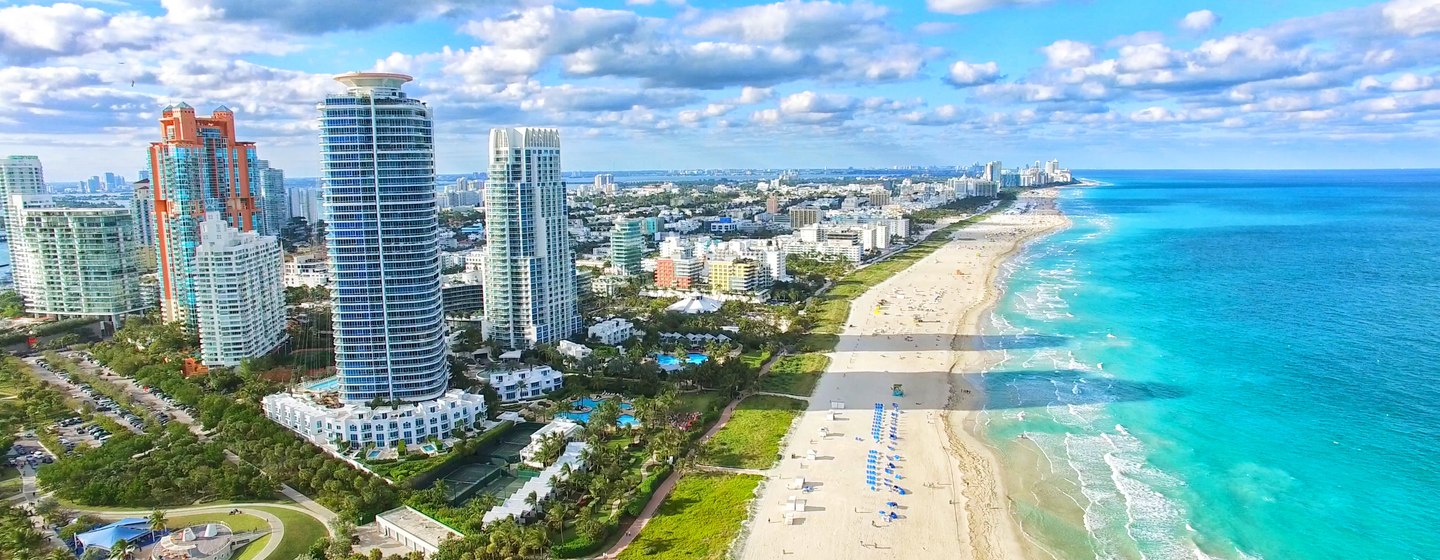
(677, 84)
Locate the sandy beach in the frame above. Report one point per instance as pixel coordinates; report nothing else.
(918, 329)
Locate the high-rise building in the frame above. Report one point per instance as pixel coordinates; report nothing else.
(801, 216)
(605, 183)
(197, 167)
(879, 199)
(627, 246)
(306, 203)
(239, 296)
(992, 171)
(377, 146)
(275, 205)
(22, 175)
(772, 205)
(142, 207)
(378, 165)
(529, 263)
(81, 261)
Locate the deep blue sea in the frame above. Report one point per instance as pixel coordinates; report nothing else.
(1227, 364)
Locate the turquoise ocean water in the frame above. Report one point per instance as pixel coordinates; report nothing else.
(1228, 365)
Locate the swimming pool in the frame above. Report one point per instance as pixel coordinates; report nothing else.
(625, 420)
(695, 358)
(589, 403)
(328, 384)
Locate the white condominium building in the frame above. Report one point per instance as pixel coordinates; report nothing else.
(612, 331)
(524, 383)
(77, 261)
(239, 297)
(22, 175)
(319, 417)
(530, 291)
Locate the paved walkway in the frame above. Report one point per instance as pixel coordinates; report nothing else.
(638, 524)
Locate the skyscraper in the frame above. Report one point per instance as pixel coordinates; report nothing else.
(530, 292)
(197, 167)
(239, 296)
(992, 171)
(22, 175)
(142, 207)
(378, 164)
(78, 261)
(275, 205)
(627, 245)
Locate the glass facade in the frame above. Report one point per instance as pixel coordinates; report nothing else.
(530, 285)
(378, 165)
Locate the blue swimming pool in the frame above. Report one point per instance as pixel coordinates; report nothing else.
(589, 403)
(694, 358)
(327, 384)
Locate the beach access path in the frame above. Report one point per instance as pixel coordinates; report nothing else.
(903, 331)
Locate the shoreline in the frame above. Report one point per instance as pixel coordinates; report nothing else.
(912, 330)
(965, 440)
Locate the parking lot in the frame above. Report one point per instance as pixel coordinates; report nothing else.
(86, 394)
(164, 407)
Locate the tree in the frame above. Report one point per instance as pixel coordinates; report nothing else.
(156, 521)
(122, 549)
(604, 417)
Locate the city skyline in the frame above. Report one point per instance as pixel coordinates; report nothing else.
(1112, 84)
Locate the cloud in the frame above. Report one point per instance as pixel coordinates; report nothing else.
(964, 7)
(964, 74)
(752, 95)
(941, 116)
(1413, 17)
(1199, 21)
(935, 27)
(1068, 54)
(594, 99)
(798, 23)
(319, 16)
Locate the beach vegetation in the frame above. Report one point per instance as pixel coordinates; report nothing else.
(751, 439)
(795, 374)
(699, 519)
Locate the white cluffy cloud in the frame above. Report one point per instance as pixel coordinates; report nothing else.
(1199, 21)
(963, 7)
(965, 74)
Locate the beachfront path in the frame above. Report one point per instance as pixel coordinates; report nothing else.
(903, 331)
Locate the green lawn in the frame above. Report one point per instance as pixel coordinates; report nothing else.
(754, 359)
(237, 523)
(795, 374)
(751, 440)
(301, 531)
(696, 402)
(698, 520)
(253, 549)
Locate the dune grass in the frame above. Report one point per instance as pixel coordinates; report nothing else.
(751, 440)
(795, 374)
(699, 519)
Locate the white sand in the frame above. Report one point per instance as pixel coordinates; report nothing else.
(956, 506)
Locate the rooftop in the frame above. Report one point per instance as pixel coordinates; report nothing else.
(419, 525)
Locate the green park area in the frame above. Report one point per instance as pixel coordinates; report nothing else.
(751, 439)
(699, 519)
(795, 374)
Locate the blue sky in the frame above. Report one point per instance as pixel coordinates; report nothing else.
(663, 84)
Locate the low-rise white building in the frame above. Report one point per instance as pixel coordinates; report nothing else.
(573, 350)
(320, 417)
(561, 427)
(523, 383)
(414, 530)
(305, 271)
(612, 331)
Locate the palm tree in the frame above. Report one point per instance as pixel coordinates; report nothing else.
(122, 550)
(156, 521)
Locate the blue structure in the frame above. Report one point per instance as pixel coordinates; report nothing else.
(131, 529)
(378, 164)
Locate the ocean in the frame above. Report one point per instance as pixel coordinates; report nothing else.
(1226, 364)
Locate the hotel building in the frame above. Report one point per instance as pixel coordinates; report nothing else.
(197, 167)
(239, 296)
(530, 291)
(79, 261)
